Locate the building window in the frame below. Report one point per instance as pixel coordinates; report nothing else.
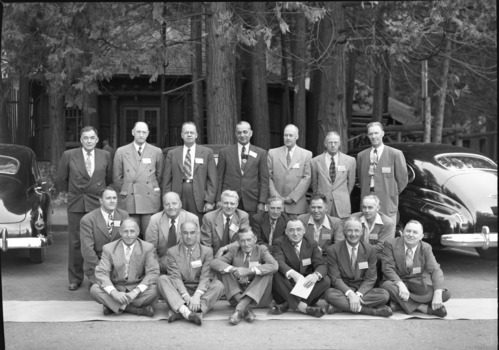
(74, 123)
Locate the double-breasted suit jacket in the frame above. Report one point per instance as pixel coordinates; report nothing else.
(290, 181)
(327, 236)
(212, 229)
(83, 189)
(158, 231)
(252, 185)
(390, 177)
(205, 177)
(260, 225)
(338, 192)
(94, 235)
(138, 178)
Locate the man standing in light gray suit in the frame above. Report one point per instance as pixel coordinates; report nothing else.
(289, 172)
(333, 175)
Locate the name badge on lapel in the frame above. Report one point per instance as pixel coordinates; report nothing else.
(326, 236)
(252, 154)
(146, 160)
(296, 166)
(306, 262)
(342, 168)
(198, 160)
(117, 223)
(234, 227)
(416, 269)
(196, 264)
(386, 170)
(363, 265)
(373, 236)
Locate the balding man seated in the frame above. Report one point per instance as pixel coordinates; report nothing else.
(189, 287)
(246, 272)
(163, 230)
(352, 270)
(405, 261)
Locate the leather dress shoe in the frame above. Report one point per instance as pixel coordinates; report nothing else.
(440, 312)
(249, 315)
(195, 318)
(73, 286)
(279, 308)
(394, 306)
(107, 311)
(383, 311)
(235, 318)
(145, 311)
(330, 309)
(315, 311)
(174, 316)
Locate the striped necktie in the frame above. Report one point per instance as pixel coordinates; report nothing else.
(332, 170)
(187, 165)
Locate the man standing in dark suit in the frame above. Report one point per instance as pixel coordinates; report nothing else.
(382, 171)
(98, 228)
(319, 226)
(333, 175)
(352, 270)
(300, 261)
(269, 225)
(82, 173)
(191, 171)
(246, 272)
(190, 287)
(243, 168)
(137, 175)
(406, 260)
(127, 274)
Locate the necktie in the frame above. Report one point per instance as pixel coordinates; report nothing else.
(246, 260)
(128, 254)
(139, 151)
(225, 237)
(332, 170)
(187, 165)
(353, 258)
(272, 228)
(297, 250)
(172, 235)
(88, 163)
(189, 257)
(372, 169)
(288, 157)
(244, 158)
(110, 224)
(408, 260)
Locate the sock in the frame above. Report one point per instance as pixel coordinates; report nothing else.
(184, 310)
(243, 303)
(302, 307)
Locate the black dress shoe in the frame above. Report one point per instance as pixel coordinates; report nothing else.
(235, 318)
(440, 312)
(315, 311)
(330, 309)
(73, 286)
(195, 318)
(145, 311)
(383, 311)
(249, 315)
(279, 308)
(107, 311)
(394, 306)
(174, 316)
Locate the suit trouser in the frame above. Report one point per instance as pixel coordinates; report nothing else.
(410, 305)
(260, 289)
(374, 298)
(188, 200)
(281, 290)
(75, 259)
(143, 221)
(167, 290)
(147, 297)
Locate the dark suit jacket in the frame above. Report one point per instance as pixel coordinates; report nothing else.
(335, 234)
(340, 271)
(144, 268)
(94, 235)
(260, 225)
(337, 193)
(394, 268)
(212, 229)
(235, 257)
(180, 270)
(252, 186)
(138, 180)
(284, 252)
(383, 232)
(390, 177)
(205, 175)
(72, 177)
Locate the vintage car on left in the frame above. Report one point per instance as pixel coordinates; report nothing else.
(25, 209)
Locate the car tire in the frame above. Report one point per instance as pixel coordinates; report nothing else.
(487, 254)
(37, 256)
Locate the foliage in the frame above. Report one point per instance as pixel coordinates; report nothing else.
(47, 175)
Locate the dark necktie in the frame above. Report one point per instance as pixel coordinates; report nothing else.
(332, 170)
(139, 151)
(88, 163)
(187, 165)
(246, 260)
(172, 235)
(225, 237)
(244, 159)
(288, 157)
(408, 261)
(110, 224)
(297, 250)
(272, 229)
(353, 258)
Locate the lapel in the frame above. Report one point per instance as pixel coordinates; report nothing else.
(98, 160)
(183, 261)
(234, 158)
(282, 156)
(119, 259)
(234, 220)
(289, 249)
(116, 230)
(198, 154)
(266, 225)
(178, 155)
(251, 159)
(399, 253)
(295, 158)
(219, 224)
(345, 257)
(102, 226)
(323, 168)
(133, 271)
(80, 163)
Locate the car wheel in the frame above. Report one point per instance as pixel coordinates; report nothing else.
(37, 256)
(487, 254)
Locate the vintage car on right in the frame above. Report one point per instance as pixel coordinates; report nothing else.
(452, 191)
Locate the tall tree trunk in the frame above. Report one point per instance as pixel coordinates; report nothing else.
(197, 69)
(350, 84)
(379, 77)
(286, 104)
(57, 125)
(440, 108)
(258, 83)
(221, 98)
(4, 121)
(299, 47)
(23, 117)
(90, 108)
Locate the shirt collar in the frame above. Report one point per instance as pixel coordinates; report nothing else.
(413, 249)
(325, 222)
(131, 247)
(377, 220)
(85, 152)
(247, 147)
(106, 215)
(137, 146)
(225, 217)
(379, 149)
(192, 148)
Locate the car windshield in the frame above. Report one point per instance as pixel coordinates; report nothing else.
(456, 161)
(9, 165)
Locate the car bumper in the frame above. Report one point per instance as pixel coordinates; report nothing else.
(21, 242)
(483, 240)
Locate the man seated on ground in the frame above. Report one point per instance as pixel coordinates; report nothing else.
(321, 227)
(163, 230)
(127, 274)
(352, 270)
(269, 225)
(405, 259)
(189, 288)
(246, 272)
(99, 227)
(299, 257)
(220, 227)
